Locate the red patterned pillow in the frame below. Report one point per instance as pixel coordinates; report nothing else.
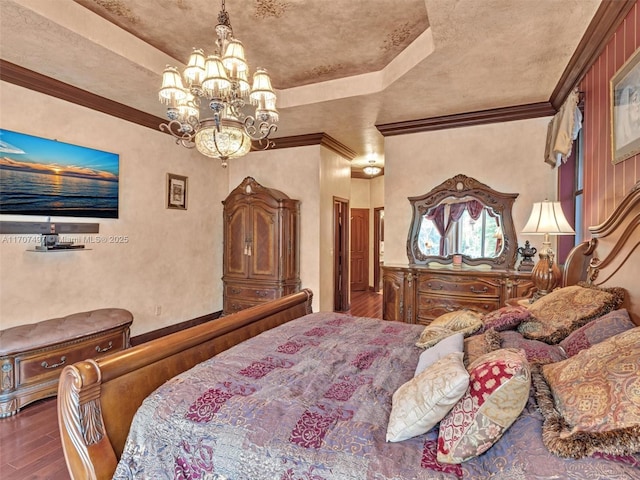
(499, 384)
(505, 318)
(597, 331)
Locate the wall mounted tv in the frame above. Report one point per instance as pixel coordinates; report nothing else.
(47, 177)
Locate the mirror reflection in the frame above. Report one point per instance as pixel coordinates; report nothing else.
(464, 220)
(464, 226)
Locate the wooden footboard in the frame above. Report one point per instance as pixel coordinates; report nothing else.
(97, 399)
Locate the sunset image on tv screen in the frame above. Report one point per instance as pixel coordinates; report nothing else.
(47, 177)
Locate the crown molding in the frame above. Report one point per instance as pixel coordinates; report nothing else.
(506, 114)
(337, 147)
(602, 27)
(608, 17)
(23, 77)
(606, 20)
(322, 139)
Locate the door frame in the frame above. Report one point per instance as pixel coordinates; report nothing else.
(341, 254)
(378, 236)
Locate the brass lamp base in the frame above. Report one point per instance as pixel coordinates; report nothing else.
(545, 275)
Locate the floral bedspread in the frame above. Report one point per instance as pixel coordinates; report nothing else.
(310, 400)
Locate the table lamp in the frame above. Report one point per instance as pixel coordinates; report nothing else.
(546, 219)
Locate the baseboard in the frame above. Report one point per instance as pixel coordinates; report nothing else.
(162, 332)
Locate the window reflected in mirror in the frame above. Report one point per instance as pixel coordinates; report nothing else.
(463, 226)
(463, 217)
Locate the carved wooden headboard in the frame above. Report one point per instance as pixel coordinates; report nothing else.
(612, 256)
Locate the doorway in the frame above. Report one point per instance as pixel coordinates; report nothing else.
(341, 254)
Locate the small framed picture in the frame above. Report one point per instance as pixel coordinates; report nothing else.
(625, 110)
(176, 191)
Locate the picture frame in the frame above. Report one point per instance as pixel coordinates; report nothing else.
(177, 190)
(625, 110)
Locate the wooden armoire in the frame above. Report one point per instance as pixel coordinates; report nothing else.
(261, 246)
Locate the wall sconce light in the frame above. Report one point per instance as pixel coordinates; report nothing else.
(546, 219)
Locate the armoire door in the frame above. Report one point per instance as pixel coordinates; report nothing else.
(263, 232)
(236, 242)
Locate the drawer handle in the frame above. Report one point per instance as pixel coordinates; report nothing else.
(106, 349)
(55, 365)
(261, 293)
(484, 290)
(439, 287)
(450, 308)
(235, 291)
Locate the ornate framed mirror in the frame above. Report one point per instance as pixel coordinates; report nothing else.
(465, 220)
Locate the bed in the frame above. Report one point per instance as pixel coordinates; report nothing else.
(254, 411)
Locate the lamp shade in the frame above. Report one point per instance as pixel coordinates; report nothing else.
(547, 218)
(171, 90)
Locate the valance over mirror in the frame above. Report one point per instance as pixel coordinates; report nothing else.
(464, 217)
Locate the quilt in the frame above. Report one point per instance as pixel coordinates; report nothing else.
(310, 400)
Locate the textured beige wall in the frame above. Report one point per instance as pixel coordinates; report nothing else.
(506, 156)
(171, 259)
(295, 172)
(335, 181)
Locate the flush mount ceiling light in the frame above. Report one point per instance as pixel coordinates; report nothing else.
(372, 169)
(219, 84)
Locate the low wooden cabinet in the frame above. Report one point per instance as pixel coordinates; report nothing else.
(421, 294)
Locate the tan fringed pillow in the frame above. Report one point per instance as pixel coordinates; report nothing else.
(564, 310)
(466, 322)
(591, 401)
(478, 345)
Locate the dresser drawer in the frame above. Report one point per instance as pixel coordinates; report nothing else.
(458, 285)
(248, 293)
(431, 307)
(39, 366)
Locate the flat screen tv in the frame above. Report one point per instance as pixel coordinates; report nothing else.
(47, 177)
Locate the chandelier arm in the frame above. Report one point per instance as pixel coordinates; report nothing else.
(182, 138)
(259, 132)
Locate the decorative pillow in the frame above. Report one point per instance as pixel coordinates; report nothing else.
(591, 401)
(506, 318)
(535, 351)
(499, 384)
(594, 332)
(449, 345)
(466, 322)
(478, 345)
(564, 310)
(422, 402)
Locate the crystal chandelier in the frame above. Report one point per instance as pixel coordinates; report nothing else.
(219, 83)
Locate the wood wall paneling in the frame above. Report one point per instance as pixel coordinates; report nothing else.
(606, 184)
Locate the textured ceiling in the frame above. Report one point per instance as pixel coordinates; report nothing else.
(340, 66)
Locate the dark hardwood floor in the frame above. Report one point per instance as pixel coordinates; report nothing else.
(30, 445)
(366, 304)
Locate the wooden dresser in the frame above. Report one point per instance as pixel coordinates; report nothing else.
(420, 294)
(261, 247)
